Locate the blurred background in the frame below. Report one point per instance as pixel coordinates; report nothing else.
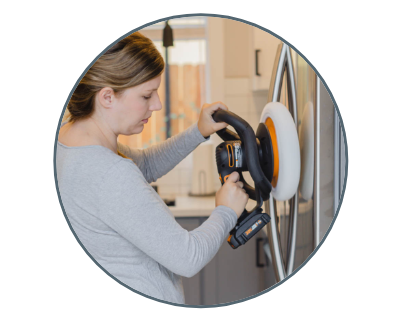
(187, 63)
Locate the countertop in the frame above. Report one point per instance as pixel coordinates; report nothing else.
(188, 207)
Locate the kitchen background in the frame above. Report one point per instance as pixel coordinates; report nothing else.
(215, 59)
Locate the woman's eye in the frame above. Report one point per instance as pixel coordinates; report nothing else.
(147, 97)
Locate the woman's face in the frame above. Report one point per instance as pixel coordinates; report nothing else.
(135, 105)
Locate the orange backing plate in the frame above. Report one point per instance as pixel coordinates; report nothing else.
(271, 128)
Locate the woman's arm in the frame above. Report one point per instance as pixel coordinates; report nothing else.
(131, 207)
(158, 160)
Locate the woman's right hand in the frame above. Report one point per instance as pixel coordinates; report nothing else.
(232, 194)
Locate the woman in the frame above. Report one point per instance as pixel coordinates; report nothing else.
(104, 185)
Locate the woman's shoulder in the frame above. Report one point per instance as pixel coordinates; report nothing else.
(91, 162)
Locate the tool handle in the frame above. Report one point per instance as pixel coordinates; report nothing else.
(227, 135)
(248, 138)
(232, 119)
(248, 188)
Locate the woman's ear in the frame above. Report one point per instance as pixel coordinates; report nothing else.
(106, 97)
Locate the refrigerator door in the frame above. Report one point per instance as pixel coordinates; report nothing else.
(297, 226)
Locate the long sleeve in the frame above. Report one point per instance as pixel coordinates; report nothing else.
(134, 210)
(158, 160)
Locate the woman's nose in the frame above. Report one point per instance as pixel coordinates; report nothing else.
(156, 105)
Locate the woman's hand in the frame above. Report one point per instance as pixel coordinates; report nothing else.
(207, 125)
(232, 194)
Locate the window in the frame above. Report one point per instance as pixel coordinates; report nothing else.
(187, 65)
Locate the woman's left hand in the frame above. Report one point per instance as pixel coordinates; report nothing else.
(207, 125)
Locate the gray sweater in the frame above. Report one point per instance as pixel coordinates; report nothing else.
(125, 225)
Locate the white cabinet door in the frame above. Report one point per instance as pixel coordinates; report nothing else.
(265, 46)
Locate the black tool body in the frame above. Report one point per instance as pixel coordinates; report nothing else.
(240, 152)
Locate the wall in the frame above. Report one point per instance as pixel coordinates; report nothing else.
(238, 49)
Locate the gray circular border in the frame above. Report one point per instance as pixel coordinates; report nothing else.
(340, 198)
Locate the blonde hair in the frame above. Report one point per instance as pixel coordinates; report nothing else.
(131, 62)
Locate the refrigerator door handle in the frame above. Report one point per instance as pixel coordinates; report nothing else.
(283, 61)
(294, 202)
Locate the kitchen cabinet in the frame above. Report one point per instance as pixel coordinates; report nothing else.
(231, 275)
(265, 46)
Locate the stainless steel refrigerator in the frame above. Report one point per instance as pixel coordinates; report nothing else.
(299, 225)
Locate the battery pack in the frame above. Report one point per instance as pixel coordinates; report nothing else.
(248, 228)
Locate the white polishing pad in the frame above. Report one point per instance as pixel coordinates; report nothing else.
(288, 150)
(306, 137)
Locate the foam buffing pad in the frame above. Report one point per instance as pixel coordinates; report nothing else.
(286, 149)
